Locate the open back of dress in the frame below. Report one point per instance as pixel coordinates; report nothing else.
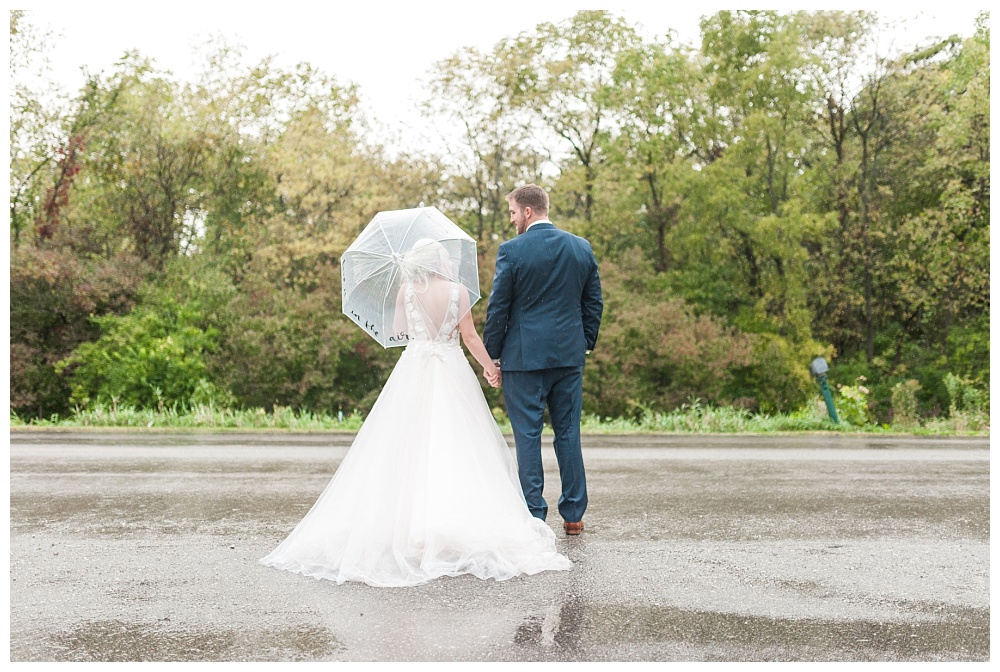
(432, 312)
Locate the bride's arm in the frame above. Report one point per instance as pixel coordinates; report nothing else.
(472, 340)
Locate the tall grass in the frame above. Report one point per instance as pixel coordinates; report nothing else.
(695, 418)
(691, 418)
(198, 417)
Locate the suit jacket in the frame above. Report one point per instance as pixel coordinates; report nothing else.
(545, 308)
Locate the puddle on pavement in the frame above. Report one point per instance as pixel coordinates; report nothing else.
(181, 512)
(118, 641)
(747, 510)
(237, 507)
(578, 629)
(177, 466)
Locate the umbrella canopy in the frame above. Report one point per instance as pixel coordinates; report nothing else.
(392, 250)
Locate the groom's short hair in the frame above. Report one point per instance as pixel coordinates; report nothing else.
(531, 196)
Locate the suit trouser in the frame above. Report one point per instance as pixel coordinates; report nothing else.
(526, 394)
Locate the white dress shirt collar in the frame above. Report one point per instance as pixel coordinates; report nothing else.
(538, 221)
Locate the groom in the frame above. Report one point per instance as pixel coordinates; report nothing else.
(542, 320)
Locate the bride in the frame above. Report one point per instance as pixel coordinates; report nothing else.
(429, 487)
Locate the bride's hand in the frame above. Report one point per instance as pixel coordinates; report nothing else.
(493, 376)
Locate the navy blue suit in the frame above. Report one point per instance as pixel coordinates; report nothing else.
(543, 316)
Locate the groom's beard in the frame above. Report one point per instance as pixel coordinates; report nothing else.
(519, 222)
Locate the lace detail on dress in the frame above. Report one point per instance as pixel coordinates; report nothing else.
(416, 320)
(448, 332)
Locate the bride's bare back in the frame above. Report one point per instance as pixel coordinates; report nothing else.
(436, 305)
(430, 310)
(430, 307)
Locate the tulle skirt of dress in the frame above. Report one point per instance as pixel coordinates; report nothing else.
(429, 488)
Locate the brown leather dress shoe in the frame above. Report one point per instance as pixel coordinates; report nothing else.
(573, 528)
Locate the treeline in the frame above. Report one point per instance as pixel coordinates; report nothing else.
(784, 191)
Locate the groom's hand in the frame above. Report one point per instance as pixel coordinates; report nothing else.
(493, 379)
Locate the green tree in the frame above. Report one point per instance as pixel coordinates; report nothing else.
(568, 85)
(495, 151)
(941, 264)
(661, 103)
(34, 120)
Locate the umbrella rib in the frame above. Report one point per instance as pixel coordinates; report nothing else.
(380, 267)
(410, 225)
(377, 269)
(392, 278)
(371, 253)
(387, 241)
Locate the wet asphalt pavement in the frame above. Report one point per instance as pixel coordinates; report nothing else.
(144, 547)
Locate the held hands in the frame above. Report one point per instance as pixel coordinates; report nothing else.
(493, 375)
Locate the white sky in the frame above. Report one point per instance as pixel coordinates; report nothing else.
(386, 48)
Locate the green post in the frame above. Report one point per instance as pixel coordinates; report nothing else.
(818, 368)
(825, 389)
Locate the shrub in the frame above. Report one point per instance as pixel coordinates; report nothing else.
(654, 351)
(852, 405)
(904, 403)
(53, 295)
(294, 347)
(776, 376)
(964, 395)
(154, 357)
(969, 407)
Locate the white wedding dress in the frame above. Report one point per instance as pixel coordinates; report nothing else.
(429, 487)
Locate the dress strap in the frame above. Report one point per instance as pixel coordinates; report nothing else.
(451, 317)
(414, 320)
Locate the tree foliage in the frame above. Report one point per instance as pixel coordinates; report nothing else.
(784, 189)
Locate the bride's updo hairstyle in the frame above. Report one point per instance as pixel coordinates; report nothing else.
(427, 257)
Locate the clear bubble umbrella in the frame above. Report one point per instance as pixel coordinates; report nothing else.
(392, 250)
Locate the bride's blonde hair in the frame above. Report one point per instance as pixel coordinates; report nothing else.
(425, 258)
